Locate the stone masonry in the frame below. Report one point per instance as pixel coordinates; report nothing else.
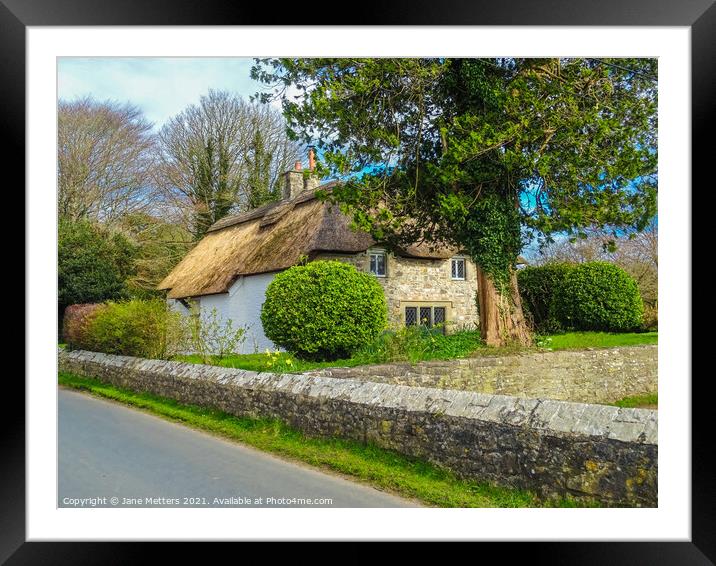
(585, 376)
(423, 281)
(552, 447)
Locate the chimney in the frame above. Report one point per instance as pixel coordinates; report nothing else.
(310, 183)
(293, 184)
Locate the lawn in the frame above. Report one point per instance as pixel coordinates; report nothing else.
(581, 340)
(383, 469)
(415, 346)
(410, 344)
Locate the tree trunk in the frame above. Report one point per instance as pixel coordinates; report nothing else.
(502, 321)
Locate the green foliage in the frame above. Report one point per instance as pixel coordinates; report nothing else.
(210, 336)
(490, 230)
(214, 187)
(323, 310)
(258, 162)
(589, 296)
(417, 343)
(412, 344)
(569, 143)
(75, 324)
(599, 296)
(93, 264)
(142, 328)
(538, 286)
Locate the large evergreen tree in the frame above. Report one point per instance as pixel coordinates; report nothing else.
(93, 264)
(479, 152)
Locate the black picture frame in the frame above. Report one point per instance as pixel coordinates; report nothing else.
(699, 15)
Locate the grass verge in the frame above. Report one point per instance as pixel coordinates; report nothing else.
(383, 469)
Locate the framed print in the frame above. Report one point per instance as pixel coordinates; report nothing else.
(157, 77)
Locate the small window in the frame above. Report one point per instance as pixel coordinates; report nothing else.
(428, 316)
(458, 268)
(377, 263)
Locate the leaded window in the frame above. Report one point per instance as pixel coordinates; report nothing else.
(458, 268)
(429, 316)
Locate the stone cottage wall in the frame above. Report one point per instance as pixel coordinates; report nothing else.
(411, 280)
(551, 447)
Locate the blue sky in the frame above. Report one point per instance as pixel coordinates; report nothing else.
(161, 87)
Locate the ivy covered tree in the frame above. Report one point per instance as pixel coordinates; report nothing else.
(258, 162)
(221, 156)
(479, 153)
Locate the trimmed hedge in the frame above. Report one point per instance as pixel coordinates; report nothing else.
(537, 289)
(588, 296)
(599, 296)
(324, 310)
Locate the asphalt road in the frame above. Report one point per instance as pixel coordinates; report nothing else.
(107, 450)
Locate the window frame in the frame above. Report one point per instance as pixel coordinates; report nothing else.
(432, 305)
(453, 270)
(378, 252)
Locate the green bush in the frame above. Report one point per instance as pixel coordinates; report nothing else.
(537, 289)
(75, 325)
(417, 343)
(599, 296)
(142, 328)
(324, 310)
(92, 264)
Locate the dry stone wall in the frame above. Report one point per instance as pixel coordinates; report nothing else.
(585, 376)
(551, 447)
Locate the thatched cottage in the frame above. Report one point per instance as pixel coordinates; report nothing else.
(233, 264)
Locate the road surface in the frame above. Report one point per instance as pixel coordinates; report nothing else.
(108, 450)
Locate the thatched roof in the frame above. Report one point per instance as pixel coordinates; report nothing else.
(270, 238)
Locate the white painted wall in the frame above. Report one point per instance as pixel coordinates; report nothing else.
(242, 304)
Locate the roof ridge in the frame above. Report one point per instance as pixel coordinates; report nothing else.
(265, 209)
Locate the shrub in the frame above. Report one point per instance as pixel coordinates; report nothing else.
(75, 325)
(211, 336)
(324, 310)
(92, 264)
(416, 343)
(142, 328)
(537, 289)
(599, 296)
